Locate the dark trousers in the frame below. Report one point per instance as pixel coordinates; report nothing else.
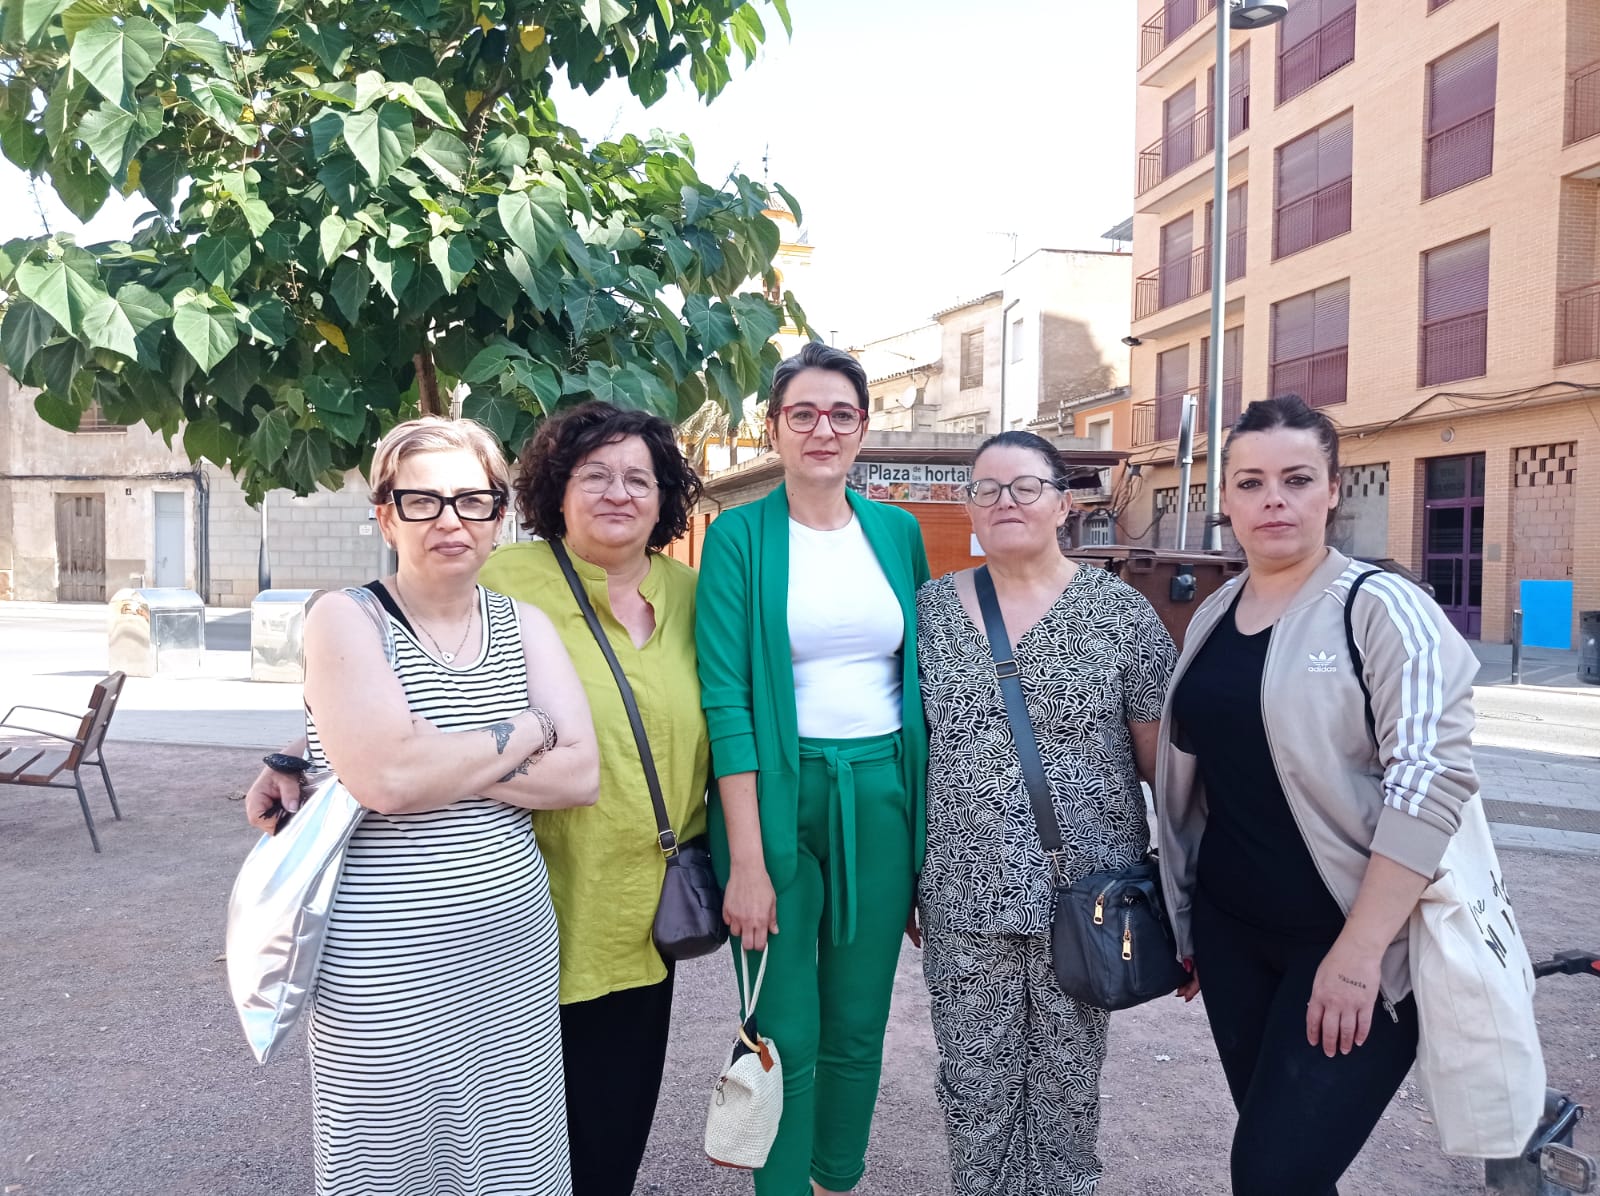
(614, 1049)
(1303, 1117)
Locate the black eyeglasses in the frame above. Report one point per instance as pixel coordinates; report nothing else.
(985, 492)
(803, 417)
(424, 506)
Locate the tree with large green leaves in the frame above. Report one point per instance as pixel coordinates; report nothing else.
(358, 206)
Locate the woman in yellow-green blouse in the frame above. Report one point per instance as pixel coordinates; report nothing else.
(614, 487)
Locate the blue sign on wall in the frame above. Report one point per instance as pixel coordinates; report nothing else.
(1546, 614)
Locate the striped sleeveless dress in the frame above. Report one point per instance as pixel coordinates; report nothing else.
(435, 1036)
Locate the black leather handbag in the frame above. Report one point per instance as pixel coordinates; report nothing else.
(1111, 944)
(688, 920)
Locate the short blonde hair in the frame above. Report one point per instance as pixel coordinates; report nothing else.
(433, 434)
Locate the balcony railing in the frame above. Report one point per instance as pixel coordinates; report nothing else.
(1238, 108)
(1312, 59)
(1453, 348)
(1144, 423)
(1583, 103)
(1184, 278)
(1578, 335)
(1176, 18)
(1319, 379)
(1458, 155)
(1232, 395)
(1312, 220)
(1184, 146)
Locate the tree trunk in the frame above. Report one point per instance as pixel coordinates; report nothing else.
(427, 383)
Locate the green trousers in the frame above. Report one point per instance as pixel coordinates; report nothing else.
(830, 969)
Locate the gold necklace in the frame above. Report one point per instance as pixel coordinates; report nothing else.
(447, 657)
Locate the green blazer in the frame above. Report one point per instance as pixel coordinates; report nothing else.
(747, 674)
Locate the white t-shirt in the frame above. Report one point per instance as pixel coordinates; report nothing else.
(845, 633)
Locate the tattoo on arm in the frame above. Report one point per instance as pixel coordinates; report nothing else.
(1353, 983)
(502, 736)
(521, 770)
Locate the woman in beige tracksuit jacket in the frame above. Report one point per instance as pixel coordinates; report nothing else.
(1292, 849)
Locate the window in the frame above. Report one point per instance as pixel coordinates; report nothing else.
(1315, 38)
(1461, 88)
(1097, 530)
(94, 420)
(972, 359)
(1184, 137)
(1310, 344)
(1238, 209)
(1232, 375)
(1016, 339)
(1433, 4)
(1177, 265)
(1238, 89)
(1172, 380)
(1313, 197)
(1453, 338)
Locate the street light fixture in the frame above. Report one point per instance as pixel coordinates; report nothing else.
(1241, 14)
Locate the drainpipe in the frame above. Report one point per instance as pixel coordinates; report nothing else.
(1005, 329)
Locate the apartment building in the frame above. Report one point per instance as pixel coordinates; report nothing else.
(1413, 244)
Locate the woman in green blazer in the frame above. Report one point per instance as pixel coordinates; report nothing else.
(806, 637)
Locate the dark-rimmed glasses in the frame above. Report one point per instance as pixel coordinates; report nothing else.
(803, 417)
(597, 479)
(1025, 491)
(424, 506)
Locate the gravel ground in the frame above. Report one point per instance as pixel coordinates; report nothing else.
(123, 1073)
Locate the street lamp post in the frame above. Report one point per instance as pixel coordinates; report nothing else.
(1239, 14)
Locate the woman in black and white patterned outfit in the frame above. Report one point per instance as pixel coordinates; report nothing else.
(435, 1042)
(1019, 1061)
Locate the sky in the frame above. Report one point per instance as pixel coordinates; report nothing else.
(925, 140)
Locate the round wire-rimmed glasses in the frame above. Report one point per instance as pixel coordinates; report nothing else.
(597, 479)
(803, 417)
(1025, 491)
(424, 506)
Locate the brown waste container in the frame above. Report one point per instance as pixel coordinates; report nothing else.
(1174, 582)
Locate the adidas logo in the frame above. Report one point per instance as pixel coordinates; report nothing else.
(1322, 662)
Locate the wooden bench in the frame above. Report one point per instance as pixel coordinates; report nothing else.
(54, 759)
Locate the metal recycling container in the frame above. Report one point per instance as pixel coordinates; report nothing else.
(1174, 582)
(277, 629)
(1589, 646)
(156, 632)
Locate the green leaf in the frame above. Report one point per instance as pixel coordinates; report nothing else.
(106, 326)
(330, 44)
(758, 323)
(392, 268)
(82, 186)
(433, 103)
(222, 258)
(207, 438)
(60, 110)
(600, 14)
(266, 318)
(541, 380)
(114, 136)
(66, 288)
(221, 102)
(200, 43)
(370, 88)
(505, 151)
(492, 360)
(208, 334)
(26, 328)
(535, 219)
(36, 14)
(58, 412)
(351, 282)
(381, 139)
(117, 58)
(712, 323)
(495, 411)
(447, 156)
(256, 214)
(335, 235)
(159, 172)
(271, 437)
(307, 458)
(453, 258)
(258, 19)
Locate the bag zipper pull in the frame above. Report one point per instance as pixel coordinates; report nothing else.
(1394, 1015)
(1100, 909)
(1127, 937)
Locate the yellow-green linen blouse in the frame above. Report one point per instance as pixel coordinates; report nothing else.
(605, 866)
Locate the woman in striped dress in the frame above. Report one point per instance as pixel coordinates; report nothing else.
(435, 1038)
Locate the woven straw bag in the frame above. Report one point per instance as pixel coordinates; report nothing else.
(747, 1103)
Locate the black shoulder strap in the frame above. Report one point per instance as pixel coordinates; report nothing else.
(1005, 671)
(1355, 653)
(665, 834)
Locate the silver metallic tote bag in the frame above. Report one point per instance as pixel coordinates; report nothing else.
(278, 910)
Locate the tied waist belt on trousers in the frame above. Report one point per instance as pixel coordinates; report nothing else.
(841, 758)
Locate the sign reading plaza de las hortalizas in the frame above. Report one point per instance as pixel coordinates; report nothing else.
(895, 482)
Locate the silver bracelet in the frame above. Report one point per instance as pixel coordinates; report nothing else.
(549, 726)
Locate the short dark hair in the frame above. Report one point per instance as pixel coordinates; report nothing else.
(1292, 412)
(814, 355)
(1016, 438)
(549, 457)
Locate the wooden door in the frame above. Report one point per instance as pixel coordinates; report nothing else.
(81, 548)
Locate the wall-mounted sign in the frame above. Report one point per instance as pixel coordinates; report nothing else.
(909, 483)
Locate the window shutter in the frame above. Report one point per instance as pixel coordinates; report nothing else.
(1172, 371)
(1461, 85)
(1456, 279)
(1335, 148)
(1180, 110)
(1297, 169)
(1302, 20)
(1291, 327)
(1331, 317)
